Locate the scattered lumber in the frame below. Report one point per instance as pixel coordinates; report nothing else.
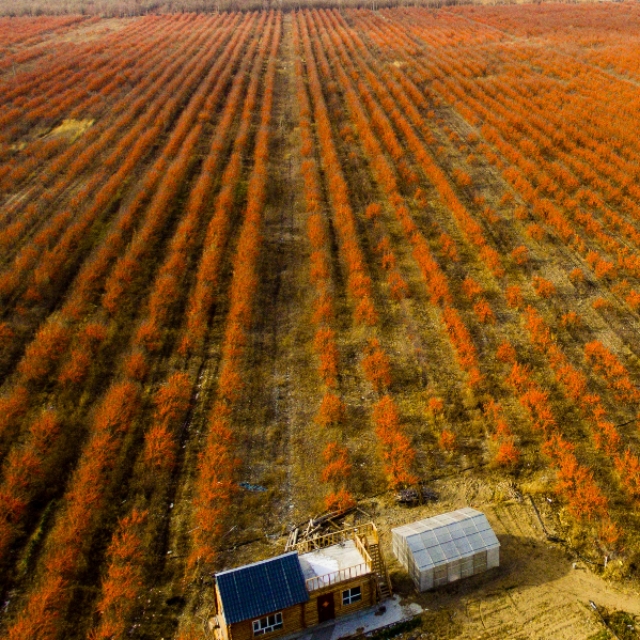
(416, 495)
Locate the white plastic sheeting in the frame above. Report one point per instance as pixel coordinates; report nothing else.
(445, 548)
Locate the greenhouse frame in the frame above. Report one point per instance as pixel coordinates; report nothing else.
(446, 548)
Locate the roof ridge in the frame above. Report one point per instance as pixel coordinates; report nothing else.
(255, 564)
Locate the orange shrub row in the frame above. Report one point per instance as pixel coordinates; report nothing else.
(169, 281)
(574, 481)
(133, 58)
(215, 482)
(433, 275)
(331, 411)
(124, 581)
(607, 365)
(51, 344)
(80, 515)
(359, 282)
(397, 451)
(130, 556)
(200, 109)
(605, 434)
(408, 119)
(203, 295)
(131, 149)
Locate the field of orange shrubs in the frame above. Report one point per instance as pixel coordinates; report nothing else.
(255, 266)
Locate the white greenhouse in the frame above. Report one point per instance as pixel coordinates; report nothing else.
(445, 548)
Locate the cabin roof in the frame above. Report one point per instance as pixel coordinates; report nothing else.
(447, 537)
(261, 588)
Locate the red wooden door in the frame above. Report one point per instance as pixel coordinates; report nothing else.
(326, 607)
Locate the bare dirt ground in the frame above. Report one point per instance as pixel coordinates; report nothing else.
(541, 590)
(537, 593)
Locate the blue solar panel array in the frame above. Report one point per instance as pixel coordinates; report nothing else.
(260, 588)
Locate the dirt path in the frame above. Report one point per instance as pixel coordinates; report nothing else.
(537, 593)
(270, 410)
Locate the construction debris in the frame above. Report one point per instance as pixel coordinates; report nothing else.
(416, 495)
(318, 526)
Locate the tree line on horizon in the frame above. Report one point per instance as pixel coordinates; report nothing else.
(131, 8)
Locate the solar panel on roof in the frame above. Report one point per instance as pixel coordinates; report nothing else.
(262, 587)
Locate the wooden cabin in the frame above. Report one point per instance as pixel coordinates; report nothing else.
(320, 580)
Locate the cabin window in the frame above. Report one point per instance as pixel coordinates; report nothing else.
(267, 624)
(351, 595)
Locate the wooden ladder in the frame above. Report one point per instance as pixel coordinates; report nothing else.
(379, 568)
